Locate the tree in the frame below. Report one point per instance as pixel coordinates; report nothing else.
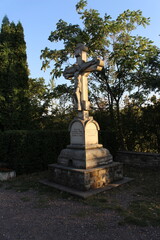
(13, 76)
(124, 53)
(40, 101)
(150, 73)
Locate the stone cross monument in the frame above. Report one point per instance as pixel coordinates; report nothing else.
(85, 164)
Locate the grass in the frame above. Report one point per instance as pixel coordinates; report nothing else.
(142, 213)
(100, 202)
(24, 183)
(144, 210)
(28, 182)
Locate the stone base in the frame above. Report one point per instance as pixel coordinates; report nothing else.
(86, 194)
(84, 157)
(85, 179)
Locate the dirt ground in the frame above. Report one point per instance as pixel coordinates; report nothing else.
(26, 213)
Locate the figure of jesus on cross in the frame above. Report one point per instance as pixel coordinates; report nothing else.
(79, 72)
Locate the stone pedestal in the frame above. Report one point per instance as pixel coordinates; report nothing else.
(84, 158)
(85, 164)
(85, 179)
(84, 151)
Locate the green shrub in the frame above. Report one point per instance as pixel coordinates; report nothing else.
(31, 151)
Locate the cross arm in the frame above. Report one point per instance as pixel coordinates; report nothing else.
(70, 71)
(95, 64)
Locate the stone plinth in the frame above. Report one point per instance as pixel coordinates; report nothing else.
(85, 179)
(84, 157)
(84, 165)
(84, 151)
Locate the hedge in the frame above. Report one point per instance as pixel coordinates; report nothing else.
(31, 151)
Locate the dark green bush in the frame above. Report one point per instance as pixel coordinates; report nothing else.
(31, 151)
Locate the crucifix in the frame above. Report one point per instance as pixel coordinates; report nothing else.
(79, 72)
(84, 164)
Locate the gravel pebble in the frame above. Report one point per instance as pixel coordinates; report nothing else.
(25, 216)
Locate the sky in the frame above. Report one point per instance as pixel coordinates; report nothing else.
(39, 18)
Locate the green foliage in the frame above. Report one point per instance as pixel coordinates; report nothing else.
(13, 76)
(112, 40)
(80, 5)
(150, 73)
(141, 127)
(31, 151)
(14, 69)
(131, 61)
(40, 100)
(70, 35)
(24, 102)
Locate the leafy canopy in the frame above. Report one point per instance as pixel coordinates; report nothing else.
(96, 32)
(127, 55)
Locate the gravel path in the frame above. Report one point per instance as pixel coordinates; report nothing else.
(27, 215)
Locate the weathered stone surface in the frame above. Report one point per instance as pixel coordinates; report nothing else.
(77, 133)
(88, 193)
(85, 179)
(84, 158)
(4, 176)
(84, 150)
(83, 131)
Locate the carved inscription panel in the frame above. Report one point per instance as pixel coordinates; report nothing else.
(91, 134)
(77, 133)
